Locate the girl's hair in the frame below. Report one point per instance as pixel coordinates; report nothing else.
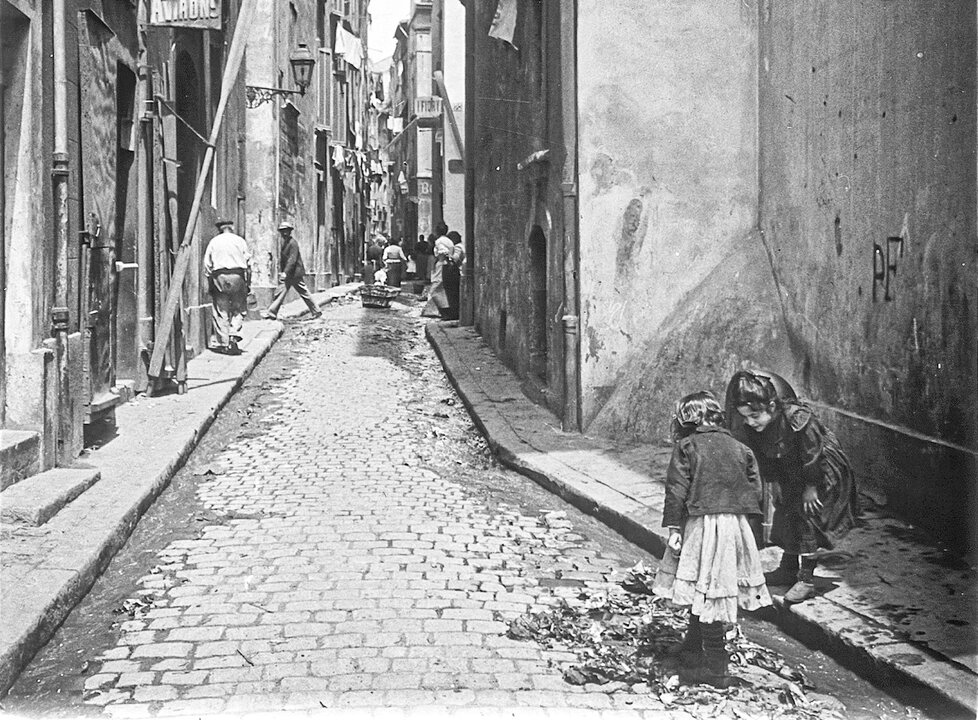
(755, 391)
(699, 408)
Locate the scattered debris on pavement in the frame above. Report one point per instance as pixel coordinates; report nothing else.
(624, 639)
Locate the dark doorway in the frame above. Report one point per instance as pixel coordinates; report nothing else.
(189, 104)
(538, 302)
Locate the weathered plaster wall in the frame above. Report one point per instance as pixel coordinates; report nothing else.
(668, 184)
(27, 228)
(26, 172)
(868, 212)
(517, 113)
(261, 131)
(868, 133)
(858, 284)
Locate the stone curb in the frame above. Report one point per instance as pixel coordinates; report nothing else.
(618, 511)
(938, 681)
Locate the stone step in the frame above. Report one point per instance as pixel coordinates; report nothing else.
(37, 499)
(20, 456)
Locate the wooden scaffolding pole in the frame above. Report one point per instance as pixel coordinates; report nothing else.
(231, 68)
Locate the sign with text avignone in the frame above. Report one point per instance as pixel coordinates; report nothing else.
(185, 13)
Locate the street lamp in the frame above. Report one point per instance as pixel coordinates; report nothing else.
(302, 62)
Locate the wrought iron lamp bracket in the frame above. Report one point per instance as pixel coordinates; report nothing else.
(257, 95)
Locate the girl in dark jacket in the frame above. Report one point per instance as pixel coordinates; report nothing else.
(815, 501)
(711, 564)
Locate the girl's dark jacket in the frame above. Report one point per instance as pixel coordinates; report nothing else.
(710, 473)
(797, 451)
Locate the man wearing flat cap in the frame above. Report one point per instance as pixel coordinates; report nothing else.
(291, 273)
(227, 266)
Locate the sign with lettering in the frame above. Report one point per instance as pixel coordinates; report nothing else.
(427, 110)
(204, 14)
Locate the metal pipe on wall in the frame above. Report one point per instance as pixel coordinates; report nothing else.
(60, 157)
(60, 312)
(3, 249)
(145, 239)
(467, 298)
(568, 187)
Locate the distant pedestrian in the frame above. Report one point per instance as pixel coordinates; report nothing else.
(421, 253)
(292, 273)
(442, 251)
(395, 262)
(452, 276)
(711, 563)
(375, 258)
(815, 502)
(227, 266)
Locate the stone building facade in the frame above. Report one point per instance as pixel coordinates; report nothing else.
(102, 111)
(306, 152)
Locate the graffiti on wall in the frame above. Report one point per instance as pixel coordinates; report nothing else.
(885, 262)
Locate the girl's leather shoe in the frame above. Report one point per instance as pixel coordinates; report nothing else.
(800, 592)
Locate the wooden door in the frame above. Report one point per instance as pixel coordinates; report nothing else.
(99, 145)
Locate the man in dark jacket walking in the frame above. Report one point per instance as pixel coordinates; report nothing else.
(292, 274)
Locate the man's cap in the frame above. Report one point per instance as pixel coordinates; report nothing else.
(286, 225)
(222, 221)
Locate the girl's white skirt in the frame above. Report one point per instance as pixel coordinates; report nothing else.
(717, 571)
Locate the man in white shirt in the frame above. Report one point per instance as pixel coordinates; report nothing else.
(227, 266)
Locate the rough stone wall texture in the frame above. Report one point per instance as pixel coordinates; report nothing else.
(518, 113)
(668, 192)
(868, 204)
(868, 214)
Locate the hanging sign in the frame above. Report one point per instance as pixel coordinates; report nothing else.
(205, 14)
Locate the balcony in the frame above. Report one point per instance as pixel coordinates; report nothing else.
(427, 110)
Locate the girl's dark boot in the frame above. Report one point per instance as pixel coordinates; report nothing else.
(713, 670)
(804, 588)
(691, 650)
(785, 574)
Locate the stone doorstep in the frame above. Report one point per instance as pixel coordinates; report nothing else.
(20, 456)
(37, 499)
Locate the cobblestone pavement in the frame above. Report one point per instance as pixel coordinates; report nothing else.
(349, 559)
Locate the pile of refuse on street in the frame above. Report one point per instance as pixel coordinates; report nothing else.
(624, 639)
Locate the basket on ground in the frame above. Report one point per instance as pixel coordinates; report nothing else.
(378, 296)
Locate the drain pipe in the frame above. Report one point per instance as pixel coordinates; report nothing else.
(60, 314)
(3, 258)
(145, 231)
(59, 168)
(568, 187)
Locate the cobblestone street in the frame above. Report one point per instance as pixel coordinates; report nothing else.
(352, 565)
(348, 542)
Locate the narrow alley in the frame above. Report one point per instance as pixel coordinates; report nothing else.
(342, 538)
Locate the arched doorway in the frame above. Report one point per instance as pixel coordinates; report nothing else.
(538, 303)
